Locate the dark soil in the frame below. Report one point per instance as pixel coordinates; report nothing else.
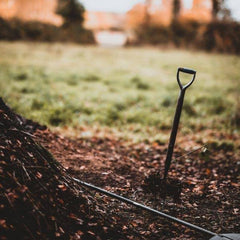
(39, 200)
(203, 188)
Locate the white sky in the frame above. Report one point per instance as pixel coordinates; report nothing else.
(125, 5)
(109, 5)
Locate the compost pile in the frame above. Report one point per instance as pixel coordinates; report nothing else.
(38, 200)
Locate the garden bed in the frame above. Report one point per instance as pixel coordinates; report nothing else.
(40, 200)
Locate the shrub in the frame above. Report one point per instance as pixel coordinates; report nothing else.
(77, 34)
(153, 34)
(185, 33)
(16, 29)
(220, 36)
(9, 31)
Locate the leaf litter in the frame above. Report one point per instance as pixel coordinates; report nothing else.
(39, 199)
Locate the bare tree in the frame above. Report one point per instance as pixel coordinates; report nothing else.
(216, 6)
(219, 10)
(148, 4)
(72, 11)
(176, 9)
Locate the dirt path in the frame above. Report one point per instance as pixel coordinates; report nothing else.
(210, 179)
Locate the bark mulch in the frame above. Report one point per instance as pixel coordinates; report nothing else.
(39, 200)
(209, 177)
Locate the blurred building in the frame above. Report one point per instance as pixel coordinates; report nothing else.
(159, 12)
(30, 10)
(104, 20)
(198, 10)
(155, 11)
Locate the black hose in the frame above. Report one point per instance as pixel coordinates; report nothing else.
(139, 205)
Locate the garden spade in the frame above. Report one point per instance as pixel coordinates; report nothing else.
(177, 116)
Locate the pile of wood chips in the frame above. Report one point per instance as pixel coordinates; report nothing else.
(38, 200)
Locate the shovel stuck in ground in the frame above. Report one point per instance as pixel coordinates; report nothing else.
(154, 182)
(177, 116)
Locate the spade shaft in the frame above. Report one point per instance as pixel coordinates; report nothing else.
(177, 116)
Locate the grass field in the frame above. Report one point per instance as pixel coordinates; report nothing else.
(129, 90)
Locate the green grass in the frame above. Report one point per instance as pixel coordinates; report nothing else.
(131, 90)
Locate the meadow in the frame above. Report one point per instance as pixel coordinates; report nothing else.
(129, 91)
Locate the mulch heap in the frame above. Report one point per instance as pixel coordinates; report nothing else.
(38, 200)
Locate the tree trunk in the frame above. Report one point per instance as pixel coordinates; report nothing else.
(176, 9)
